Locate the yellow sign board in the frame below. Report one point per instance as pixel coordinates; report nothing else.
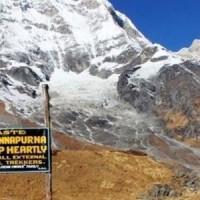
(25, 150)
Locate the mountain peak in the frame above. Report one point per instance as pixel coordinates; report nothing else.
(62, 30)
(192, 52)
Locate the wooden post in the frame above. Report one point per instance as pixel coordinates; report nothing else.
(47, 120)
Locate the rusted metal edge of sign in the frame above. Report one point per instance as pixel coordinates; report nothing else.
(25, 150)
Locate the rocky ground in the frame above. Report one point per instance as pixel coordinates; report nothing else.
(83, 171)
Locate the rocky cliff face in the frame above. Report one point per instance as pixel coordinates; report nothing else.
(160, 84)
(166, 86)
(108, 83)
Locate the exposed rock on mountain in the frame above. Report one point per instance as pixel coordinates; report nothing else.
(167, 86)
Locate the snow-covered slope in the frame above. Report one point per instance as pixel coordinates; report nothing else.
(39, 36)
(72, 35)
(154, 63)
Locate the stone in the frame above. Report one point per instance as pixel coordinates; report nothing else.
(25, 74)
(159, 191)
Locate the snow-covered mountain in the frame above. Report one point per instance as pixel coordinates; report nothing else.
(38, 37)
(72, 35)
(191, 53)
(108, 83)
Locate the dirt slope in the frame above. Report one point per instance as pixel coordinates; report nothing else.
(88, 175)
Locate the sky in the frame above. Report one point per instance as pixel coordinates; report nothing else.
(171, 23)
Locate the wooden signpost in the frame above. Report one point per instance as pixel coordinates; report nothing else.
(47, 120)
(27, 150)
